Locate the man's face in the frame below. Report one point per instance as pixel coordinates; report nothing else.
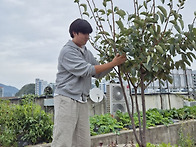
(80, 39)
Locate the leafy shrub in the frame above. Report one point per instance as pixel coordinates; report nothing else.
(24, 123)
(106, 123)
(185, 140)
(154, 117)
(185, 113)
(158, 145)
(101, 124)
(123, 119)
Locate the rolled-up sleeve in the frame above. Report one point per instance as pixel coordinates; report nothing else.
(102, 74)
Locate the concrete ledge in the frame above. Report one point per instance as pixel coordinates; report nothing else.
(155, 135)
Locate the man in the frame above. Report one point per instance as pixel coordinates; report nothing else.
(76, 66)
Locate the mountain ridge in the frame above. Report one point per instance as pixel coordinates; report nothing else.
(9, 91)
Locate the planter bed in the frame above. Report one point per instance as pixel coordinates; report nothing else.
(156, 135)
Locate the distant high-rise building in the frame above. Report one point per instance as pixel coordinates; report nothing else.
(40, 85)
(194, 79)
(1, 92)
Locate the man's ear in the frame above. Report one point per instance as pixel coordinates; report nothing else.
(74, 33)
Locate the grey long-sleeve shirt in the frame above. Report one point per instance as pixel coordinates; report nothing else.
(75, 69)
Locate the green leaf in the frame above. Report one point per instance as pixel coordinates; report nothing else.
(84, 6)
(158, 29)
(96, 9)
(163, 1)
(173, 22)
(156, 68)
(104, 3)
(76, 1)
(194, 44)
(172, 50)
(104, 32)
(189, 56)
(147, 67)
(170, 79)
(181, 23)
(156, 18)
(109, 11)
(194, 31)
(121, 13)
(140, 6)
(152, 30)
(150, 20)
(177, 28)
(148, 59)
(97, 38)
(159, 48)
(86, 13)
(97, 83)
(190, 26)
(131, 16)
(187, 62)
(193, 55)
(102, 11)
(145, 5)
(163, 10)
(176, 15)
(116, 8)
(161, 16)
(120, 25)
(144, 13)
(139, 22)
(133, 80)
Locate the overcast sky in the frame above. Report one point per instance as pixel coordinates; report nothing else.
(32, 33)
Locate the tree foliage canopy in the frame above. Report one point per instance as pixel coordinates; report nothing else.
(151, 36)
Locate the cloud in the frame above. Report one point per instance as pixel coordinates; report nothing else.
(32, 33)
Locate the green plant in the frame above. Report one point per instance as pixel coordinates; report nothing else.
(158, 145)
(101, 124)
(24, 123)
(185, 140)
(184, 113)
(154, 117)
(7, 137)
(123, 119)
(107, 123)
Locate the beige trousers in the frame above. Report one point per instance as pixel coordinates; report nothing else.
(71, 123)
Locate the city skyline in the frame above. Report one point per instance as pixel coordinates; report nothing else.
(183, 81)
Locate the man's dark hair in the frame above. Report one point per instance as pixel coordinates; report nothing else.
(80, 26)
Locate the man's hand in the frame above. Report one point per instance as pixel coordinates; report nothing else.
(119, 59)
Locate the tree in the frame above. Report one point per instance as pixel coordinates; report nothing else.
(152, 37)
(48, 91)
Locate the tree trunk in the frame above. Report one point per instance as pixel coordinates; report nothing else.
(143, 111)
